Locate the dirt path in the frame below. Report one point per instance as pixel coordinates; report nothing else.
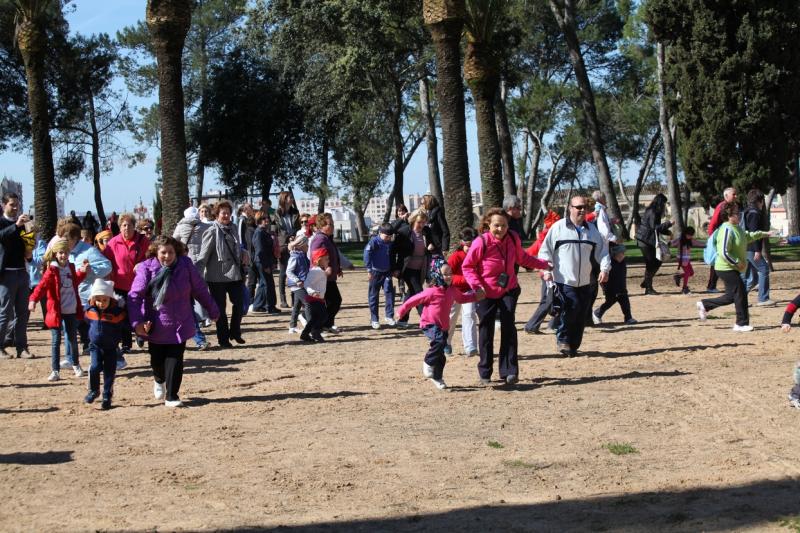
(348, 436)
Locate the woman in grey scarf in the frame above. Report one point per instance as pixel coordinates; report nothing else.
(223, 260)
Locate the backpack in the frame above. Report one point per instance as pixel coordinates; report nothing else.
(710, 251)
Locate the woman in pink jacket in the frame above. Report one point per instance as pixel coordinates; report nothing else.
(489, 269)
(435, 318)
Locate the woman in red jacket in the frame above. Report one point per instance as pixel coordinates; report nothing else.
(59, 285)
(469, 319)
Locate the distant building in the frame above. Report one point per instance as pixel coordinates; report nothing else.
(11, 186)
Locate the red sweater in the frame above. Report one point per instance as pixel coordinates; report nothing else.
(50, 287)
(455, 260)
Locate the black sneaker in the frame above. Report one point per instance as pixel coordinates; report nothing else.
(106, 405)
(91, 397)
(238, 340)
(306, 337)
(316, 337)
(677, 279)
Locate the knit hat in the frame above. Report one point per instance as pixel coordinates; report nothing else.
(102, 287)
(190, 212)
(317, 254)
(299, 241)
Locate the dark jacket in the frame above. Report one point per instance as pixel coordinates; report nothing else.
(12, 248)
(403, 249)
(262, 248)
(105, 327)
(440, 233)
(617, 278)
(752, 222)
(286, 228)
(321, 240)
(651, 222)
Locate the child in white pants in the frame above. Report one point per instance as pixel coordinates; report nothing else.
(469, 318)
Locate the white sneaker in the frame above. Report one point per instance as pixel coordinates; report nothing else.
(158, 390)
(596, 319)
(765, 303)
(294, 330)
(302, 320)
(701, 311)
(332, 329)
(427, 370)
(54, 376)
(64, 363)
(439, 383)
(173, 403)
(390, 321)
(78, 371)
(742, 329)
(375, 325)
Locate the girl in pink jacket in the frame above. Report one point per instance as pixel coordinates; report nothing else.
(489, 268)
(435, 319)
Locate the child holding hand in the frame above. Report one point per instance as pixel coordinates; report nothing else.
(685, 243)
(59, 285)
(315, 285)
(105, 318)
(435, 319)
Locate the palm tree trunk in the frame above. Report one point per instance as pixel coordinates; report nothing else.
(670, 160)
(98, 197)
(791, 200)
(168, 22)
(445, 21)
(32, 40)
(431, 141)
(504, 138)
(564, 12)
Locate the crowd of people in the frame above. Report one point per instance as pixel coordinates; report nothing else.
(102, 289)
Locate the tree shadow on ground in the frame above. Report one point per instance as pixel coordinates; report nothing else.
(757, 504)
(29, 410)
(35, 385)
(544, 381)
(191, 366)
(615, 327)
(197, 402)
(635, 353)
(36, 458)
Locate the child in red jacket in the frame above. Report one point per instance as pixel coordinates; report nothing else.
(59, 285)
(469, 319)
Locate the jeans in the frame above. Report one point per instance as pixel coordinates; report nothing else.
(413, 286)
(333, 302)
(234, 291)
(104, 359)
(570, 323)
(435, 356)
(735, 293)
(541, 312)
(166, 360)
(14, 293)
(264, 299)
(70, 324)
(83, 335)
(298, 306)
(377, 281)
(757, 269)
(199, 337)
(487, 312)
(469, 325)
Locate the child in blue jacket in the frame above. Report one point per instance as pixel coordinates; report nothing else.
(377, 260)
(105, 319)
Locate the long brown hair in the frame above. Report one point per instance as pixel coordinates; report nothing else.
(285, 202)
(165, 240)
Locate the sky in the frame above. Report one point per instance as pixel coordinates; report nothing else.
(123, 188)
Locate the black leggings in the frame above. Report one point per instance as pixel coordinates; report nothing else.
(735, 293)
(413, 281)
(651, 264)
(166, 360)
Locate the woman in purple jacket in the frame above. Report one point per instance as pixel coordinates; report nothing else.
(160, 309)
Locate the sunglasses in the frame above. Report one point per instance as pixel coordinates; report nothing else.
(579, 207)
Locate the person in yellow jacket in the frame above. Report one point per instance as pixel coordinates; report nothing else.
(731, 244)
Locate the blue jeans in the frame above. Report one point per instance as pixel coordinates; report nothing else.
(757, 269)
(435, 356)
(104, 359)
(381, 280)
(570, 323)
(265, 298)
(199, 337)
(70, 324)
(14, 292)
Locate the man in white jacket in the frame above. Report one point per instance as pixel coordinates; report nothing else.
(569, 247)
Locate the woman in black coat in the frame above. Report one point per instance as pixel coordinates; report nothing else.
(411, 255)
(646, 238)
(287, 220)
(440, 233)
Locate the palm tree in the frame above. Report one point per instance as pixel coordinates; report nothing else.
(445, 20)
(482, 76)
(31, 37)
(168, 22)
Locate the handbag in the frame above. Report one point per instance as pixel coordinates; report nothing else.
(662, 250)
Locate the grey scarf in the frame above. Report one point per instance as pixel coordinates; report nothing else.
(160, 283)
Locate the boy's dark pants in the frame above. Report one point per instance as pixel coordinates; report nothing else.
(620, 297)
(381, 280)
(435, 356)
(316, 315)
(298, 304)
(104, 359)
(166, 360)
(333, 302)
(487, 310)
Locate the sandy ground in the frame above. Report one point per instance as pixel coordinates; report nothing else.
(348, 436)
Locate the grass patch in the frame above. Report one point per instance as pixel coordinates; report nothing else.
(519, 463)
(494, 444)
(620, 448)
(791, 522)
